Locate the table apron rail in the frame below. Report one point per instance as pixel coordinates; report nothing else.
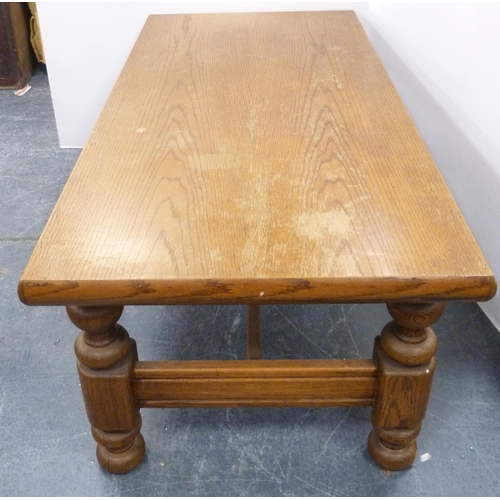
(254, 383)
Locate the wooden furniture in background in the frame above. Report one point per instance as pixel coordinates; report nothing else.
(255, 159)
(17, 59)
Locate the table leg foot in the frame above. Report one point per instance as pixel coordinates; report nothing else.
(396, 450)
(106, 357)
(404, 355)
(120, 452)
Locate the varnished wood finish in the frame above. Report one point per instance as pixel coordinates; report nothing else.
(404, 354)
(106, 356)
(254, 335)
(278, 291)
(255, 383)
(255, 159)
(249, 153)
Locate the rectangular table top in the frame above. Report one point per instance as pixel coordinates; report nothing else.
(254, 158)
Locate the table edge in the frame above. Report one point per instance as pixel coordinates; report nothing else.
(260, 291)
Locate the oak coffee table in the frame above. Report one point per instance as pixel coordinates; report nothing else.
(255, 159)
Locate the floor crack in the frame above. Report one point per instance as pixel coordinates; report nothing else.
(18, 239)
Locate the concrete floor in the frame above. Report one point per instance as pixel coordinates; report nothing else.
(46, 447)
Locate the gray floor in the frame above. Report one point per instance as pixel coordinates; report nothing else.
(46, 447)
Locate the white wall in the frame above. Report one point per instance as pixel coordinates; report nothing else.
(444, 58)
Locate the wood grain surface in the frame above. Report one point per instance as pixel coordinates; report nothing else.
(255, 383)
(254, 158)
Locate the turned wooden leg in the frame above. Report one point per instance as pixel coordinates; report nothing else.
(106, 356)
(254, 348)
(404, 355)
